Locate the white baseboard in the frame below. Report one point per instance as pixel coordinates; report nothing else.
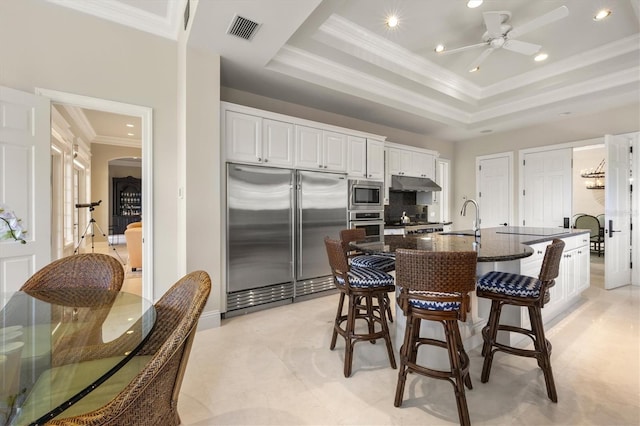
(209, 319)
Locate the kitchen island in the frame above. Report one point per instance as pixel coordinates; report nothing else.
(512, 249)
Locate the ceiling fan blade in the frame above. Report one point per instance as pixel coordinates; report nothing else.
(462, 49)
(521, 47)
(493, 21)
(481, 58)
(540, 21)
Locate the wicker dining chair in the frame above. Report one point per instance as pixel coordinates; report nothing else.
(151, 397)
(87, 271)
(81, 270)
(435, 286)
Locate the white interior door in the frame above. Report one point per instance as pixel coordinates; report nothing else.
(617, 211)
(25, 183)
(547, 188)
(494, 190)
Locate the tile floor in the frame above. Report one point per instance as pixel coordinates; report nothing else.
(274, 367)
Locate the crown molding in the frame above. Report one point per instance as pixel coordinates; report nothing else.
(116, 141)
(311, 67)
(379, 51)
(587, 87)
(594, 56)
(81, 121)
(60, 128)
(164, 26)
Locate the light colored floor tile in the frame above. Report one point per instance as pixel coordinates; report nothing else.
(274, 367)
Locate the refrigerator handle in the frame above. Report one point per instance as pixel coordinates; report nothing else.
(292, 221)
(298, 225)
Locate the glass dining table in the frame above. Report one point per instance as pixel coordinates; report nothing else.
(57, 346)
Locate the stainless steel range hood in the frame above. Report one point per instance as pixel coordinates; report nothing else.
(409, 183)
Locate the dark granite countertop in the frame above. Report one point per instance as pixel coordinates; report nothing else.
(493, 245)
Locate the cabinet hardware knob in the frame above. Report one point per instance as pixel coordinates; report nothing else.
(266, 160)
(259, 159)
(539, 251)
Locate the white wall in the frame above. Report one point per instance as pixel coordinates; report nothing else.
(571, 129)
(51, 47)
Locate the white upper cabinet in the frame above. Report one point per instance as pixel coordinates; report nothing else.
(252, 139)
(375, 159)
(335, 151)
(365, 158)
(357, 157)
(261, 137)
(423, 165)
(277, 147)
(411, 162)
(320, 149)
(243, 137)
(309, 147)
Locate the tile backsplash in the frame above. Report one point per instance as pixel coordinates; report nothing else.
(404, 202)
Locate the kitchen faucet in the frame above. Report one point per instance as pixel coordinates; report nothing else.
(476, 223)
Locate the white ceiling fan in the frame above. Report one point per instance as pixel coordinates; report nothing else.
(500, 35)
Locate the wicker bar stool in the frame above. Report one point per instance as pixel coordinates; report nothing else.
(361, 260)
(519, 290)
(434, 286)
(360, 286)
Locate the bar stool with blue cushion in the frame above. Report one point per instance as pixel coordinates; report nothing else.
(435, 286)
(504, 288)
(360, 286)
(361, 260)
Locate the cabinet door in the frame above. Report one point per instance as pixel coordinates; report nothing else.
(243, 137)
(422, 165)
(583, 267)
(375, 159)
(357, 157)
(399, 162)
(278, 143)
(406, 163)
(335, 151)
(308, 151)
(393, 162)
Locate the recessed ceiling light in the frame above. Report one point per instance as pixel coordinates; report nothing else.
(130, 134)
(129, 125)
(392, 21)
(603, 13)
(474, 69)
(472, 4)
(541, 57)
(439, 48)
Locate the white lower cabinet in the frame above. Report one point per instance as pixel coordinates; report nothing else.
(573, 279)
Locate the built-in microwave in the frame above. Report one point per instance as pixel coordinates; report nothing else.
(366, 195)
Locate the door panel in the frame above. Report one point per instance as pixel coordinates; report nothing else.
(547, 188)
(24, 184)
(617, 210)
(494, 191)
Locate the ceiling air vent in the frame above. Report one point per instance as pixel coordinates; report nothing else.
(243, 27)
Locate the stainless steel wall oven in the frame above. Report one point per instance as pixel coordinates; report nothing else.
(371, 221)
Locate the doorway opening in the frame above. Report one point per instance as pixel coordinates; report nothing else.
(79, 176)
(588, 202)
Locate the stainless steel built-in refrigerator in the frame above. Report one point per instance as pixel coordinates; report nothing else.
(276, 223)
